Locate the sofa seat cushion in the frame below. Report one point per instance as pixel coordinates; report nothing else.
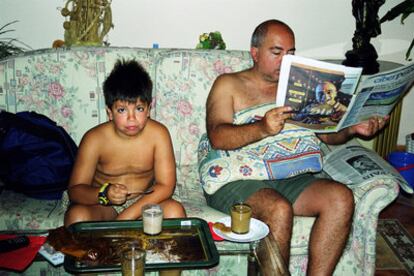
(19, 212)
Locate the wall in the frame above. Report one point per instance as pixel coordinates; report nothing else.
(324, 28)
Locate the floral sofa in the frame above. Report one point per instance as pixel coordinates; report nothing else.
(66, 85)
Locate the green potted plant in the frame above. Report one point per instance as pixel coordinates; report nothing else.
(212, 40)
(10, 46)
(404, 9)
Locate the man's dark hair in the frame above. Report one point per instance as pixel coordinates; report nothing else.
(128, 81)
(260, 32)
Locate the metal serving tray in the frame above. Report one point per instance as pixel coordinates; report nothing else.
(183, 243)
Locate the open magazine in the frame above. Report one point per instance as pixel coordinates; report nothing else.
(328, 97)
(353, 164)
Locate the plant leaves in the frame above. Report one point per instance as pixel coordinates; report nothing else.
(407, 55)
(401, 8)
(8, 45)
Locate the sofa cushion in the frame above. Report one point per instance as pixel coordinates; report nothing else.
(18, 211)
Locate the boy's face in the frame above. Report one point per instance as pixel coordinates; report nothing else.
(129, 118)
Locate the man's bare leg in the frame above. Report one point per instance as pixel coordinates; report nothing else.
(268, 206)
(333, 205)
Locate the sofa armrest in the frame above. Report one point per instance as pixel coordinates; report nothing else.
(373, 194)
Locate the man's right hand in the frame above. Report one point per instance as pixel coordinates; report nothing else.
(274, 119)
(117, 194)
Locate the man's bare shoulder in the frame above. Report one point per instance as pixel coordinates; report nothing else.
(230, 84)
(232, 79)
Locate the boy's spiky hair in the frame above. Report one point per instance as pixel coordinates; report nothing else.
(128, 81)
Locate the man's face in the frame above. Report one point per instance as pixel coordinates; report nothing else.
(129, 118)
(278, 42)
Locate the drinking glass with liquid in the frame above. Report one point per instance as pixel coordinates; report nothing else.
(240, 218)
(133, 261)
(152, 219)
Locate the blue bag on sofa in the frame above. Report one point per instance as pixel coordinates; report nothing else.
(36, 155)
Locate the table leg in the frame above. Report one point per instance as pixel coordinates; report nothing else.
(268, 257)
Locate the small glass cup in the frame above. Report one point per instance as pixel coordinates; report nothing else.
(241, 214)
(152, 219)
(133, 261)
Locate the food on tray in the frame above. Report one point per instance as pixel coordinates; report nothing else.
(104, 247)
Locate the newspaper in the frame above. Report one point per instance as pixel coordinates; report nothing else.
(328, 97)
(353, 164)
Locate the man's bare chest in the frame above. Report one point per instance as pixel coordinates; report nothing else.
(253, 98)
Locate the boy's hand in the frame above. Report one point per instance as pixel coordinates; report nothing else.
(117, 194)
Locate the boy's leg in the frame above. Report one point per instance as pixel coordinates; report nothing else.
(173, 209)
(77, 213)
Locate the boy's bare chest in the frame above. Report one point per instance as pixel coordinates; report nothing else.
(126, 161)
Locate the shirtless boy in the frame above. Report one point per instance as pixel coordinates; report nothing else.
(122, 157)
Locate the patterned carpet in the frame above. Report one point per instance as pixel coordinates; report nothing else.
(395, 246)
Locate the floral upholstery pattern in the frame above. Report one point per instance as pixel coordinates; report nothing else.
(66, 85)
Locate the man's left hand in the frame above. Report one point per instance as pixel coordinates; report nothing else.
(370, 127)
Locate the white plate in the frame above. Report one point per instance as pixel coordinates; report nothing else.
(258, 230)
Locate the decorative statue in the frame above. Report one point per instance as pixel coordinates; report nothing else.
(88, 22)
(368, 25)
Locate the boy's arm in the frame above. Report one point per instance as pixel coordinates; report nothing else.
(164, 173)
(80, 188)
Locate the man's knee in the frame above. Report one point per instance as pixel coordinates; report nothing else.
(282, 208)
(269, 205)
(346, 197)
(342, 200)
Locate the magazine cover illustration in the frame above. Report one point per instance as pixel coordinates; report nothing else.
(327, 97)
(315, 95)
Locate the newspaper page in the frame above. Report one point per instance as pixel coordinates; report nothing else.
(318, 92)
(327, 97)
(352, 164)
(378, 94)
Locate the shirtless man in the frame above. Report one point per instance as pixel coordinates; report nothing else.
(124, 156)
(330, 202)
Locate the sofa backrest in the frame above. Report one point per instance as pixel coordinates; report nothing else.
(66, 85)
(63, 84)
(183, 80)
